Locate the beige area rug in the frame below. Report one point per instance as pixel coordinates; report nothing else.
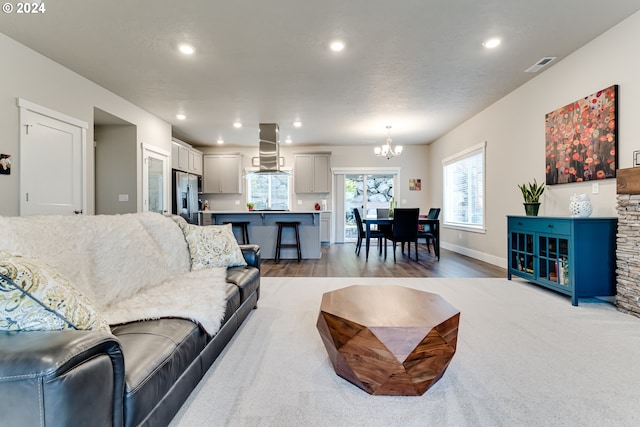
(525, 357)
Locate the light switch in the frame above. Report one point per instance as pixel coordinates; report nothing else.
(595, 188)
(299, 202)
(123, 197)
(237, 202)
(404, 201)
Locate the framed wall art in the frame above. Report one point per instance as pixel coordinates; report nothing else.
(581, 139)
(5, 164)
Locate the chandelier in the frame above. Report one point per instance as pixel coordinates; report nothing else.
(387, 149)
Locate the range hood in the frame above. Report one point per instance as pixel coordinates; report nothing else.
(269, 148)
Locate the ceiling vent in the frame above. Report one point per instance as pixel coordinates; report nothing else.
(540, 64)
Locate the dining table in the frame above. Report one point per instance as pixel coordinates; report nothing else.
(422, 220)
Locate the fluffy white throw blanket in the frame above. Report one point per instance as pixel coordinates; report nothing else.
(131, 267)
(199, 296)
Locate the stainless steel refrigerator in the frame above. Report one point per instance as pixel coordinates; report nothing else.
(185, 196)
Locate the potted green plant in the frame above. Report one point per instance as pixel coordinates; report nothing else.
(531, 194)
(250, 206)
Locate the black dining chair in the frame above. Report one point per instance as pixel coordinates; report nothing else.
(362, 233)
(383, 213)
(425, 232)
(405, 229)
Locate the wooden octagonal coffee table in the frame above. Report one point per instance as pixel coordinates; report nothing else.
(388, 340)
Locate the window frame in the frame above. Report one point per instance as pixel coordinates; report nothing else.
(452, 160)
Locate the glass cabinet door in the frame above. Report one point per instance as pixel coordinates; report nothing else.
(553, 262)
(522, 252)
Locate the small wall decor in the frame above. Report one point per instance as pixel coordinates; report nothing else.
(5, 164)
(636, 158)
(415, 185)
(581, 139)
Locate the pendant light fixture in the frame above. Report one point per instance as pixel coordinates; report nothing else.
(387, 149)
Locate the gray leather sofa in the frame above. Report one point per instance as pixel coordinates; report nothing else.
(140, 375)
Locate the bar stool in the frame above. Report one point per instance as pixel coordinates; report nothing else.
(280, 245)
(244, 229)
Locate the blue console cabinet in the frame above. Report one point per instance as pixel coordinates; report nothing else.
(574, 256)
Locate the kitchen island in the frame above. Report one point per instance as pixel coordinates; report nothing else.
(263, 230)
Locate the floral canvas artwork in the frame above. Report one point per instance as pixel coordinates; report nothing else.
(581, 139)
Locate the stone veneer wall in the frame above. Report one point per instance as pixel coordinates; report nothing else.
(628, 254)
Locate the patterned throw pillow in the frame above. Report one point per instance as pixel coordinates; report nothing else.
(212, 246)
(34, 297)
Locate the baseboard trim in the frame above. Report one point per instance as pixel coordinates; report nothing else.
(491, 259)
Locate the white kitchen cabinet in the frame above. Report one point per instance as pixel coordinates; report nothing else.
(325, 227)
(312, 173)
(221, 173)
(185, 158)
(179, 157)
(195, 162)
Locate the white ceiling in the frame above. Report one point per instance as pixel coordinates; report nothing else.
(418, 65)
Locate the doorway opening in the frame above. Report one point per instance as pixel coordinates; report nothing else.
(115, 164)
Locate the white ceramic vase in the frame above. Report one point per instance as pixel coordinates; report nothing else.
(580, 206)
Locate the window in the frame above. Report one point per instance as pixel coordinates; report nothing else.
(463, 192)
(268, 191)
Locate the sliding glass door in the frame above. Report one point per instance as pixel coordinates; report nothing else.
(367, 192)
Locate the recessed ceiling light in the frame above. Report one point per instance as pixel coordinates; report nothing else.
(491, 43)
(220, 141)
(180, 116)
(297, 124)
(337, 45)
(237, 125)
(186, 49)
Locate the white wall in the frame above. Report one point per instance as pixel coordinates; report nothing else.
(413, 163)
(27, 74)
(115, 169)
(514, 130)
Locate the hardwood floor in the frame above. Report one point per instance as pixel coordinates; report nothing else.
(340, 260)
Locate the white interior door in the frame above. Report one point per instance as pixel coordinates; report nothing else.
(155, 179)
(51, 162)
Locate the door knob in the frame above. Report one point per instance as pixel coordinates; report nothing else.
(77, 211)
